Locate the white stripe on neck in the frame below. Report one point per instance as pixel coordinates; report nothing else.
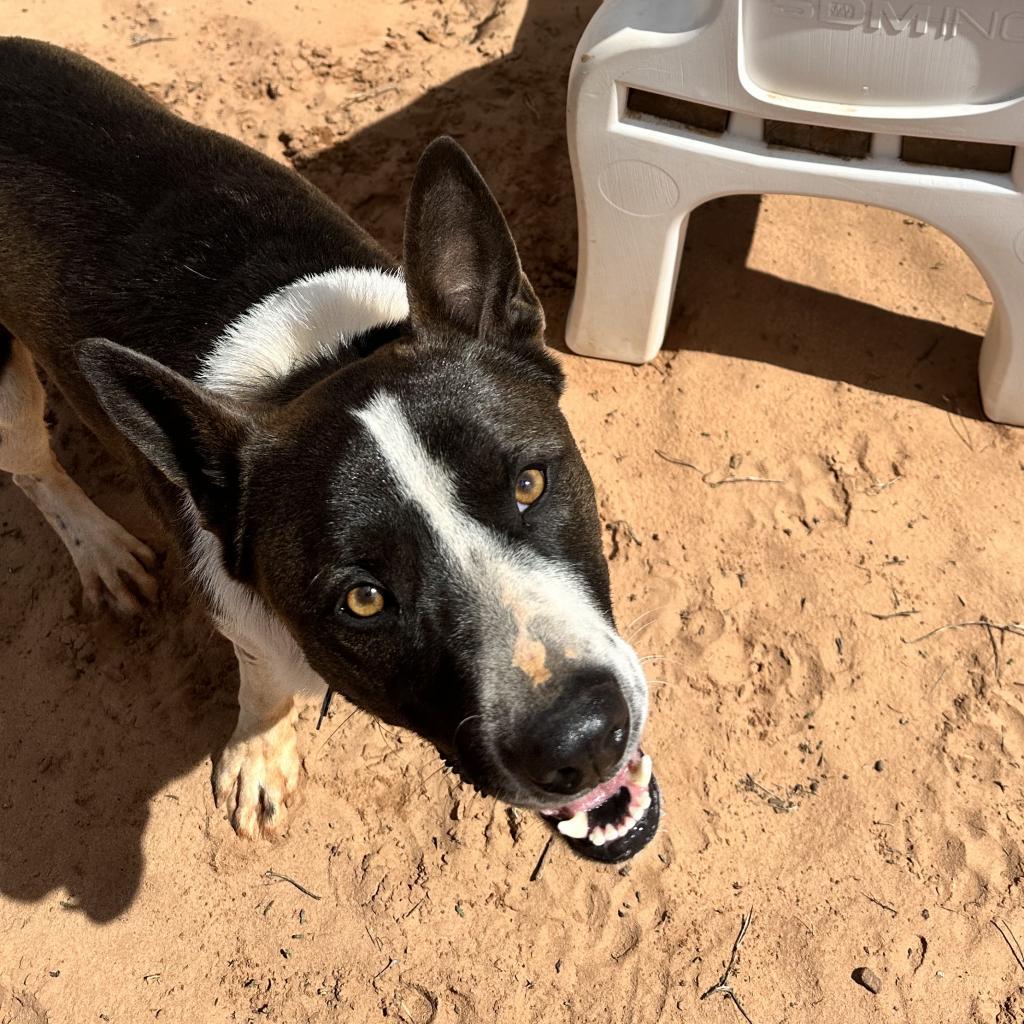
(312, 317)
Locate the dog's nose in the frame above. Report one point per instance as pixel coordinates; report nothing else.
(577, 744)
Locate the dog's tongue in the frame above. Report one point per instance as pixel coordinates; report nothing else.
(616, 819)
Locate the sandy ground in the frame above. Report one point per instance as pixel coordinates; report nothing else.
(858, 787)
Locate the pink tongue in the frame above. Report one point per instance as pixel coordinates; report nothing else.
(598, 795)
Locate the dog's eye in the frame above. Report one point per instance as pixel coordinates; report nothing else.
(366, 600)
(530, 486)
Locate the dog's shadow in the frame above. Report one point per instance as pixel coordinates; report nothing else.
(98, 719)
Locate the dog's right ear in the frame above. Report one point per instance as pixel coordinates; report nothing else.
(462, 269)
(190, 436)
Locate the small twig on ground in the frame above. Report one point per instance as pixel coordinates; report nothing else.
(776, 802)
(142, 40)
(677, 462)
(362, 97)
(387, 967)
(942, 675)
(743, 480)
(722, 986)
(995, 651)
(962, 433)
(882, 616)
(706, 477)
(541, 859)
(879, 903)
(275, 876)
(1010, 939)
(1016, 628)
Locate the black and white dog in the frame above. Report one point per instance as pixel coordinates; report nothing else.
(365, 466)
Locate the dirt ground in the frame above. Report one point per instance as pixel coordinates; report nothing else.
(826, 759)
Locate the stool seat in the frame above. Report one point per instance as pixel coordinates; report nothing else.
(915, 107)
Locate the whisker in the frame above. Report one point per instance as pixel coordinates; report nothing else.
(468, 718)
(435, 772)
(315, 757)
(641, 622)
(663, 657)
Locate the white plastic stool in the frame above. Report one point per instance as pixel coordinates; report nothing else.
(918, 107)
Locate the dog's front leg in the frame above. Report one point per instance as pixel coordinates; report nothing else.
(113, 565)
(257, 775)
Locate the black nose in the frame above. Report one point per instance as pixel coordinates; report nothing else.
(578, 742)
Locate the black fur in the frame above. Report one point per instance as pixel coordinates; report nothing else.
(120, 221)
(6, 348)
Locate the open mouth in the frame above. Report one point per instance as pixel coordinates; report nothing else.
(616, 819)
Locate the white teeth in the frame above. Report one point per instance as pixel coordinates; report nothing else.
(638, 806)
(610, 833)
(641, 774)
(574, 827)
(597, 837)
(626, 824)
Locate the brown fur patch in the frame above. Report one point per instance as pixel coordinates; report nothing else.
(531, 658)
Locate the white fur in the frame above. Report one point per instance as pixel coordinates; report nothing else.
(546, 600)
(244, 618)
(111, 562)
(310, 318)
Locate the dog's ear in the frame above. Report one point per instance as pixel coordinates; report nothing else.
(461, 265)
(193, 439)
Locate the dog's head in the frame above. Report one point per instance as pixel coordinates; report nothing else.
(422, 522)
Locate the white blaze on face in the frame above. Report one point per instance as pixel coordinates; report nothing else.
(546, 603)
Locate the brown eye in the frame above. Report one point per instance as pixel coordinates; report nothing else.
(530, 486)
(364, 601)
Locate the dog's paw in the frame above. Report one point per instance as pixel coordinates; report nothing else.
(256, 779)
(113, 565)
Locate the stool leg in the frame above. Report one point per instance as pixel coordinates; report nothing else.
(625, 281)
(1001, 364)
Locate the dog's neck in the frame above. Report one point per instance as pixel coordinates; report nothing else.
(311, 320)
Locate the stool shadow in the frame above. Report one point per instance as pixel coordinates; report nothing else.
(723, 306)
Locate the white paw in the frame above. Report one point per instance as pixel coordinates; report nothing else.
(113, 565)
(256, 779)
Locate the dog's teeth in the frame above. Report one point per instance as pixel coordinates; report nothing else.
(626, 824)
(645, 801)
(597, 836)
(574, 827)
(635, 810)
(610, 833)
(641, 774)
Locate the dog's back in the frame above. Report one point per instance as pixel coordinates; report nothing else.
(105, 193)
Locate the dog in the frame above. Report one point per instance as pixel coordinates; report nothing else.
(363, 464)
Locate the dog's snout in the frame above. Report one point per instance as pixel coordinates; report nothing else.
(577, 743)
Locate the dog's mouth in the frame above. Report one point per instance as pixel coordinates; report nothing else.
(611, 823)
(616, 819)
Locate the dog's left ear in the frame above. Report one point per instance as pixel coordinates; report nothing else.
(461, 265)
(190, 436)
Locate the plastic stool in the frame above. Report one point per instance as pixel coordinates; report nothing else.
(918, 107)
